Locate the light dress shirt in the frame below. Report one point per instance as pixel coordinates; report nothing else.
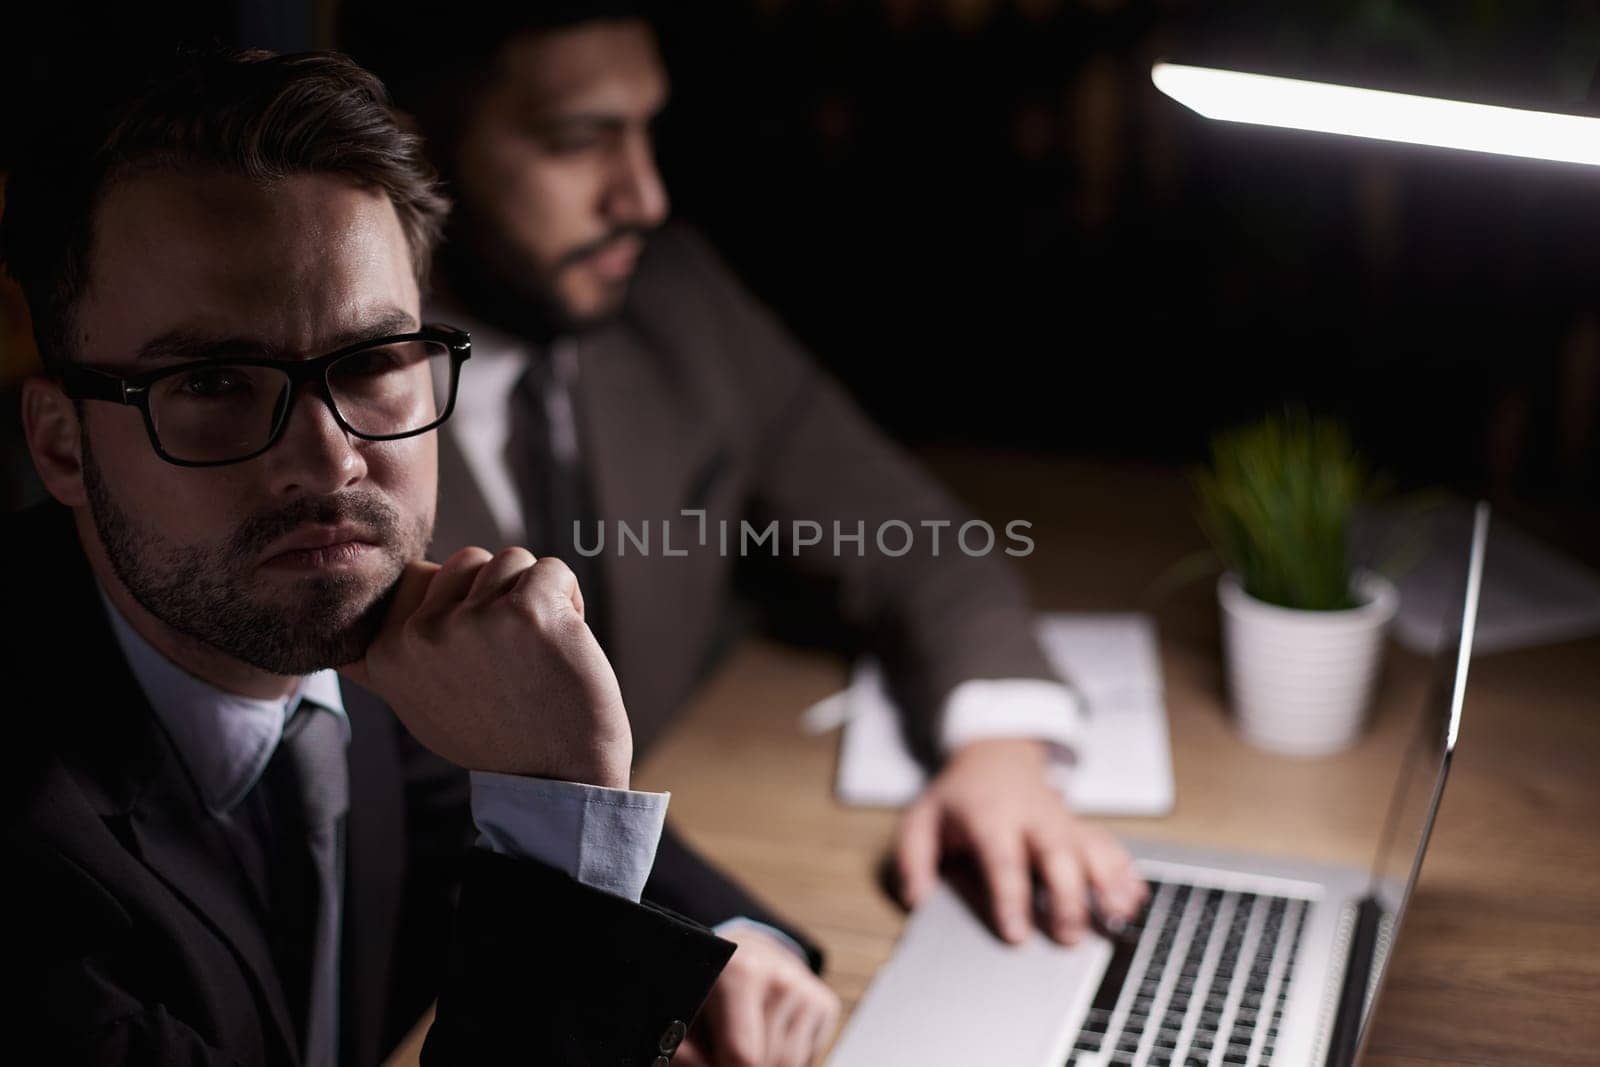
(605, 838)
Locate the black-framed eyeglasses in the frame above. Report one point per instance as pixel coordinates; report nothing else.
(208, 412)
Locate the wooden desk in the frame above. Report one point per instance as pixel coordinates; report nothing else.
(1499, 962)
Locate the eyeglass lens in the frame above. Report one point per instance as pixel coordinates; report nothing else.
(227, 411)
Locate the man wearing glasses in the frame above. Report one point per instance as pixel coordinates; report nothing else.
(219, 848)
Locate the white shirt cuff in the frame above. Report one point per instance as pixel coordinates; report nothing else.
(988, 708)
(604, 838)
(739, 921)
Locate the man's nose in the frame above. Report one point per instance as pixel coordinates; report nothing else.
(636, 195)
(314, 456)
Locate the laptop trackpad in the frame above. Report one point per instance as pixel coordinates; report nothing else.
(954, 993)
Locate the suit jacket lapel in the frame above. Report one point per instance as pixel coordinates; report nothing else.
(647, 461)
(112, 744)
(641, 453)
(188, 850)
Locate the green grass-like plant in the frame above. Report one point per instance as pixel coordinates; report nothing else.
(1277, 501)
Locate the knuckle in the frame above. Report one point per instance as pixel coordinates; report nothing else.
(551, 569)
(495, 579)
(516, 554)
(1003, 853)
(1098, 841)
(1063, 872)
(1069, 904)
(518, 600)
(1059, 821)
(468, 558)
(1108, 859)
(989, 838)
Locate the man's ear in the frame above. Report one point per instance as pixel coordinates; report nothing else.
(55, 439)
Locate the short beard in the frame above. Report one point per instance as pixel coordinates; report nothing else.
(497, 281)
(210, 594)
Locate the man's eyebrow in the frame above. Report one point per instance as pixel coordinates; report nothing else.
(556, 120)
(592, 120)
(387, 323)
(185, 345)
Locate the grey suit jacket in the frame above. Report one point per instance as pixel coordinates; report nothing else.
(696, 398)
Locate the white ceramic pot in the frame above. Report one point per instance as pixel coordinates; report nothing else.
(1301, 681)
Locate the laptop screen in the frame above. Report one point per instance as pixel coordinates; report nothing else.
(1422, 776)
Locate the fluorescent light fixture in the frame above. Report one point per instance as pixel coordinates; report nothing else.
(1324, 108)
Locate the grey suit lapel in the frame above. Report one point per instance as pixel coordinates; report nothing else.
(648, 448)
(642, 453)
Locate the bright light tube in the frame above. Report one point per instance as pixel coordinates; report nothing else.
(1323, 108)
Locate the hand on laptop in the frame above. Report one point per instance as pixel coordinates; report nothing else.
(766, 1008)
(488, 662)
(992, 803)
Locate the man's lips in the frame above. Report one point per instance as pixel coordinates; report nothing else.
(322, 545)
(615, 260)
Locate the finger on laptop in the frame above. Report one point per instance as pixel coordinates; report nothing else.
(1004, 861)
(917, 856)
(1055, 858)
(1111, 874)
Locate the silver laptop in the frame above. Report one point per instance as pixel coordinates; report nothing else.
(1235, 960)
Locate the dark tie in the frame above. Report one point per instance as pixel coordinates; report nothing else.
(550, 484)
(307, 786)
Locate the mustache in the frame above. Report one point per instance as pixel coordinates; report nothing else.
(362, 509)
(584, 251)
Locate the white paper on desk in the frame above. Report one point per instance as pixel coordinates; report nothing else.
(1124, 764)
(1532, 594)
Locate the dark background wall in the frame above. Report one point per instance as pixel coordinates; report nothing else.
(997, 230)
(982, 216)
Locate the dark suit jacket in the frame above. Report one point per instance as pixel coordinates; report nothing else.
(695, 397)
(132, 937)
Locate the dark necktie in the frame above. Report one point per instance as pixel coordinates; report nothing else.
(550, 485)
(307, 785)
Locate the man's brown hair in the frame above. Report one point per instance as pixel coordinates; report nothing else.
(252, 113)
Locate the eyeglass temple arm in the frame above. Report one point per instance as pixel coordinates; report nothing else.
(86, 383)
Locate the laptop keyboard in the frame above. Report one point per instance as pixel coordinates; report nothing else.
(1199, 980)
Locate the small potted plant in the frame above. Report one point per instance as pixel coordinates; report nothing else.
(1303, 629)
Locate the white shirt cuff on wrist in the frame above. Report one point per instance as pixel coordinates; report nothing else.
(738, 921)
(985, 709)
(604, 838)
